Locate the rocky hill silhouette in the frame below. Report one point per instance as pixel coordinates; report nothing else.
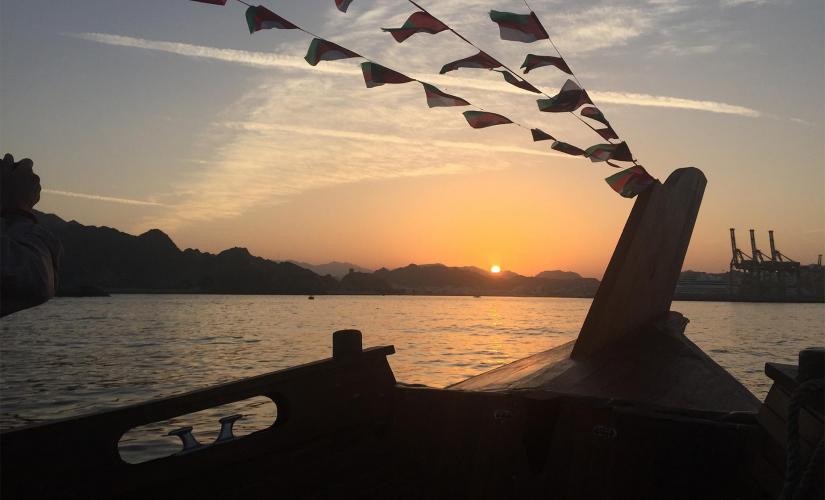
(98, 259)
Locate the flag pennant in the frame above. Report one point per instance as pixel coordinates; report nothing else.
(436, 98)
(594, 114)
(540, 135)
(484, 119)
(480, 60)
(605, 152)
(342, 5)
(567, 148)
(322, 50)
(522, 84)
(260, 18)
(419, 22)
(630, 182)
(607, 133)
(570, 98)
(533, 61)
(375, 75)
(213, 2)
(519, 27)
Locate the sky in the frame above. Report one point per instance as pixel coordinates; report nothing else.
(169, 114)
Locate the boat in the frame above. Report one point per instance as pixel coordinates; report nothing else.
(630, 409)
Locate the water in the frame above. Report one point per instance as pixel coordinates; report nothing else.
(75, 355)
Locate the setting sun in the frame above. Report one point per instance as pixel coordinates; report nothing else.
(495, 269)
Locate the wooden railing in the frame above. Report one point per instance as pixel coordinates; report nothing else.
(78, 457)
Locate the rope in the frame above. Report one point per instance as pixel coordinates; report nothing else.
(797, 480)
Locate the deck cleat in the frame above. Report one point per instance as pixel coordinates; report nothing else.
(187, 438)
(226, 427)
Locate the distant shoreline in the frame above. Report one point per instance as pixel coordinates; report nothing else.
(367, 294)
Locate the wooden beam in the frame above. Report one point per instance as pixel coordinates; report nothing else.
(638, 286)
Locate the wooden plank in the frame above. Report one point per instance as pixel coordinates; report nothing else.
(638, 285)
(810, 424)
(659, 366)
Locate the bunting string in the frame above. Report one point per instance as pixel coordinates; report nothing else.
(526, 83)
(627, 183)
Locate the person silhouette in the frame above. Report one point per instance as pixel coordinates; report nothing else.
(29, 254)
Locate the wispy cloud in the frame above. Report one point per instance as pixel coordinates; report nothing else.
(272, 60)
(109, 199)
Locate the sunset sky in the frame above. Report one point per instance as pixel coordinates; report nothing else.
(169, 114)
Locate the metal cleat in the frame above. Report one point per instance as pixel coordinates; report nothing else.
(226, 427)
(188, 439)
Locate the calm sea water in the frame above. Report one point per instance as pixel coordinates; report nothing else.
(75, 355)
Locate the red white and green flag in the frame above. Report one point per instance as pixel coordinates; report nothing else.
(213, 2)
(323, 50)
(594, 114)
(607, 133)
(631, 182)
(533, 61)
(419, 22)
(570, 98)
(606, 152)
(480, 60)
(484, 119)
(375, 75)
(522, 84)
(541, 135)
(519, 27)
(260, 18)
(342, 5)
(567, 148)
(437, 98)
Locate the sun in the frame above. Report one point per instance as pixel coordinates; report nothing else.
(495, 269)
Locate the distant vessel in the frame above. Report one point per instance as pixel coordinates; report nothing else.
(311, 297)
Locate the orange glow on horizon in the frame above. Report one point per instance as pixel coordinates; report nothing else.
(495, 269)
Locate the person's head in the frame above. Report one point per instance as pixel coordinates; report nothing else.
(20, 185)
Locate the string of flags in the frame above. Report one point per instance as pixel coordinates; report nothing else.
(525, 28)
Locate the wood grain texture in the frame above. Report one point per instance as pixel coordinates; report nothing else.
(638, 285)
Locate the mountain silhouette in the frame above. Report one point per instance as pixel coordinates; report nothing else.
(98, 259)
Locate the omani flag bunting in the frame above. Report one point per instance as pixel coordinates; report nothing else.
(420, 22)
(436, 98)
(570, 98)
(533, 61)
(567, 148)
(605, 152)
(375, 75)
(480, 60)
(260, 18)
(519, 27)
(342, 5)
(484, 119)
(541, 135)
(322, 50)
(522, 84)
(630, 182)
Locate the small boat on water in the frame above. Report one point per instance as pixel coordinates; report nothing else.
(630, 409)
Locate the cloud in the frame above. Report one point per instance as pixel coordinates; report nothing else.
(273, 60)
(110, 199)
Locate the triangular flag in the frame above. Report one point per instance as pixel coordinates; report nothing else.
(607, 133)
(533, 61)
(213, 2)
(436, 98)
(567, 148)
(605, 152)
(342, 5)
(483, 119)
(522, 84)
(594, 114)
(322, 50)
(260, 18)
(480, 60)
(375, 75)
(540, 135)
(519, 27)
(570, 98)
(631, 182)
(419, 22)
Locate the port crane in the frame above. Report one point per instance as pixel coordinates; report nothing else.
(758, 269)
